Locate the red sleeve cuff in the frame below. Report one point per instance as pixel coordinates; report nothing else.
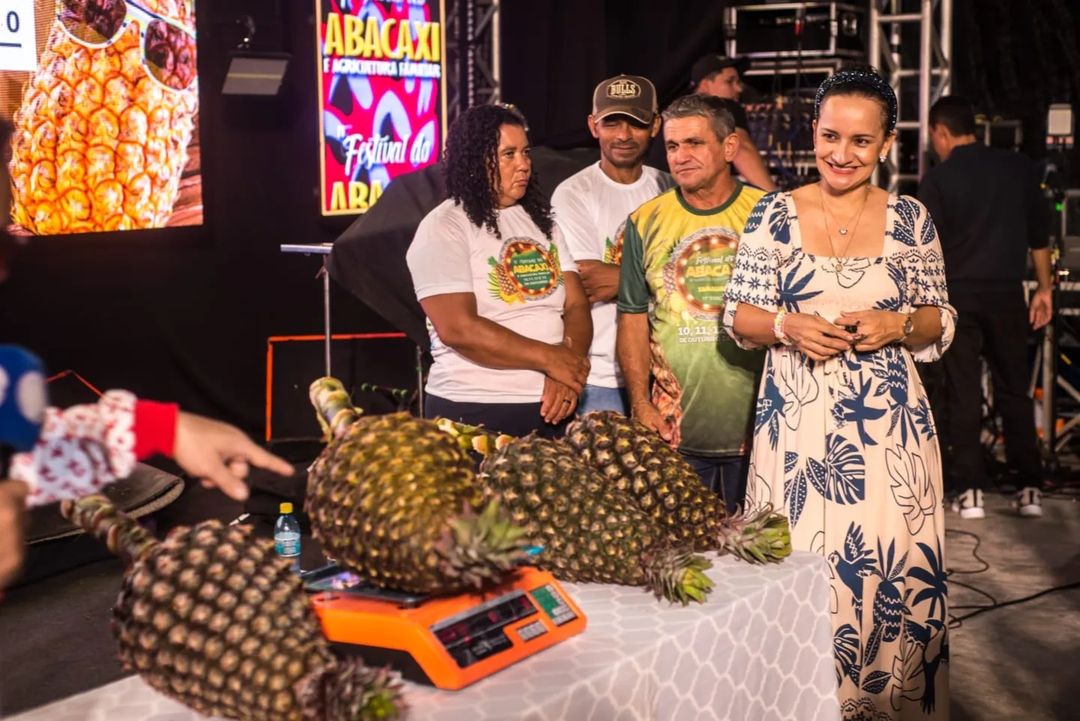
(155, 428)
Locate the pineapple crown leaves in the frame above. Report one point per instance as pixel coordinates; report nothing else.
(763, 536)
(121, 533)
(474, 438)
(349, 691)
(677, 574)
(333, 408)
(483, 548)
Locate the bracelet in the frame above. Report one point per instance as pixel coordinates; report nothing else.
(778, 327)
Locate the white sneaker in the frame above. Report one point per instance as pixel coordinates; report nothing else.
(969, 505)
(1028, 502)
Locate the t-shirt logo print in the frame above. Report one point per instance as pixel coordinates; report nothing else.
(699, 270)
(623, 89)
(524, 270)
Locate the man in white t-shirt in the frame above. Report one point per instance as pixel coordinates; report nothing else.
(591, 208)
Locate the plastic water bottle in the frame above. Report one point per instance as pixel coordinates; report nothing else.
(287, 536)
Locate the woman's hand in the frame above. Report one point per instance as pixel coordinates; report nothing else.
(816, 337)
(567, 366)
(874, 328)
(557, 401)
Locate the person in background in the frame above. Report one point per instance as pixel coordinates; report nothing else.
(989, 212)
(508, 317)
(678, 250)
(720, 76)
(845, 285)
(591, 208)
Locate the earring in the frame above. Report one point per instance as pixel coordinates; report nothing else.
(882, 158)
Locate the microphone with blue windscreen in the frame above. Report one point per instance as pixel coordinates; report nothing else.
(22, 401)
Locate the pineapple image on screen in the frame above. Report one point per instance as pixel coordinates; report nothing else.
(213, 618)
(104, 124)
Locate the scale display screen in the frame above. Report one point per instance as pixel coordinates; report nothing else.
(477, 634)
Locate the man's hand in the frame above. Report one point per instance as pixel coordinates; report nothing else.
(567, 366)
(219, 454)
(650, 416)
(601, 280)
(1041, 307)
(12, 518)
(557, 402)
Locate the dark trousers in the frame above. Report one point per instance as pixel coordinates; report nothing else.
(513, 419)
(724, 476)
(957, 403)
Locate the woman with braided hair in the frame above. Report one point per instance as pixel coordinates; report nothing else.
(508, 317)
(845, 285)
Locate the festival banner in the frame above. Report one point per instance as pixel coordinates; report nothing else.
(382, 96)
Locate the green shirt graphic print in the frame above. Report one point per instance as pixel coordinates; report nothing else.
(677, 261)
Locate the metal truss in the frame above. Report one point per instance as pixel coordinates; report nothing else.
(472, 55)
(932, 19)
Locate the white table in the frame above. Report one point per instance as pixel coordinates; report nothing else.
(759, 649)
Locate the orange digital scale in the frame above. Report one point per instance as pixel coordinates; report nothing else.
(447, 641)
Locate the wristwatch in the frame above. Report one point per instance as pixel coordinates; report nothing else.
(909, 326)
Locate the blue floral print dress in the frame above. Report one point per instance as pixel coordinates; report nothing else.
(847, 449)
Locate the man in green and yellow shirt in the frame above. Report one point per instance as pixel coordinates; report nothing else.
(678, 253)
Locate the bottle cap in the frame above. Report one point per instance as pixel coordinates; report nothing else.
(285, 508)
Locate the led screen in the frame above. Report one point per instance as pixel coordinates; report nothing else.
(382, 96)
(103, 98)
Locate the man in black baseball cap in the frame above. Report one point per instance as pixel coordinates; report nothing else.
(591, 208)
(720, 76)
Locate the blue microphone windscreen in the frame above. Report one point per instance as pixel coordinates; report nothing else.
(22, 397)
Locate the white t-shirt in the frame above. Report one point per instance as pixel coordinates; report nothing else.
(517, 281)
(591, 210)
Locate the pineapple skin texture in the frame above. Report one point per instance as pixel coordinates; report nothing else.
(634, 460)
(98, 144)
(590, 532)
(381, 497)
(215, 619)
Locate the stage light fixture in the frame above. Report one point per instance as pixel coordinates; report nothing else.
(255, 73)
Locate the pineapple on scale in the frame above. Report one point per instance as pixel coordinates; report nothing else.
(588, 531)
(634, 460)
(100, 144)
(213, 618)
(395, 499)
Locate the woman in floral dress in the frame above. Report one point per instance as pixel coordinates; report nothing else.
(846, 286)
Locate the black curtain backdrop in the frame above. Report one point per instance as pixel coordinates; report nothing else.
(554, 54)
(184, 314)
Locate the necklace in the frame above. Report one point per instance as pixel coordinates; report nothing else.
(838, 261)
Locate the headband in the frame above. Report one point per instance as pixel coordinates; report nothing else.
(863, 79)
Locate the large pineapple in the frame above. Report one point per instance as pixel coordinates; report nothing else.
(99, 144)
(635, 460)
(215, 619)
(396, 500)
(588, 531)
